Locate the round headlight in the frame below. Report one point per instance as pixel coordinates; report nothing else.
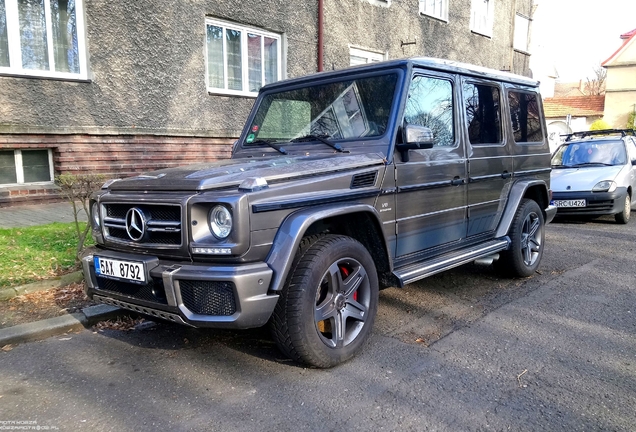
(95, 215)
(604, 186)
(220, 220)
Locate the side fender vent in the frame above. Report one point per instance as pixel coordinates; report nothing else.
(363, 180)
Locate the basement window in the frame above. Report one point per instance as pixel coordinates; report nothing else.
(26, 166)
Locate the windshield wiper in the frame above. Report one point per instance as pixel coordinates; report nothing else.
(320, 138)
(591, 163)
(269, 143)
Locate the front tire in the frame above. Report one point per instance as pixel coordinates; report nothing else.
(623, 217)
(328, 305)
(527, 236)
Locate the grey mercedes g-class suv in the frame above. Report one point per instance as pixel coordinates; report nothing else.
(341, 184)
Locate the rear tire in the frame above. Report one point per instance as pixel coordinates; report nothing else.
(623, 217)
(527, 237)
(328, 305)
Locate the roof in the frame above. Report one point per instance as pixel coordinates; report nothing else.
(628, 37)
(628, 34)
(568, 89)
(580, 106)
(425, 62)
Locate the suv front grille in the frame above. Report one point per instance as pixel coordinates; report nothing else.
(163, 224)
(208, 297)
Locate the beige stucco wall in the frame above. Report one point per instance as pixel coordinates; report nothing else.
(620, 92)
(618, 106)
(621, 77)
(620, 86)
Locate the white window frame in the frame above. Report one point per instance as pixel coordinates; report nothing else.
(482, 14)
(244, 58)
(521, 33)
(435, 8)
(381, 3)
(15, 51)
(370, 56)
(17, 154)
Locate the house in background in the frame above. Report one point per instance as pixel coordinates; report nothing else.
(567, 114)
(620, 89)
(120, 88)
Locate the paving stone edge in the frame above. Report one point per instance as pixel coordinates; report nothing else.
(61, 281)
(55, 326)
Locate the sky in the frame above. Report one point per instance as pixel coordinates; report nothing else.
(576, 35)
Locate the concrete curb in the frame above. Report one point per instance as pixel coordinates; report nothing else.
(54, 326)
(9, 293)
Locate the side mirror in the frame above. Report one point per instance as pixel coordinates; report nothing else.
(414, 137)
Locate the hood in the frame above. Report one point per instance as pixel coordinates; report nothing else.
(231, 172)
(581, 179)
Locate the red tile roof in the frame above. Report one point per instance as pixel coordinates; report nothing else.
(627, 37)
(579, 106)
(628, 34)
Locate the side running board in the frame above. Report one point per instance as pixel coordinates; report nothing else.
(424, 269)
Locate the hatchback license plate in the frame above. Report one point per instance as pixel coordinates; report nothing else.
(570, 203)
(120, 269)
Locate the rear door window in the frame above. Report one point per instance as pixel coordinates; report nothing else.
(525, 116)
(482, 104)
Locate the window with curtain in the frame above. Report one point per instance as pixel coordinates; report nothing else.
(522, 27)
(240, 60)
(482, 16)
(435, 8)
(42, 38)
(359, 56)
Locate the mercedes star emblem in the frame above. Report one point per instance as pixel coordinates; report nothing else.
(135, 224)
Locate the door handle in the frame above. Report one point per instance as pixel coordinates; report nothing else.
(457, 181)
(506, 175)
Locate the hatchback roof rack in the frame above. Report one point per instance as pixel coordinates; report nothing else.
(584, 134)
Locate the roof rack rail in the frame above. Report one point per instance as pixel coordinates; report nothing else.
(585, 134)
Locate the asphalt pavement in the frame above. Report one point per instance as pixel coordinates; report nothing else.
(465, 350)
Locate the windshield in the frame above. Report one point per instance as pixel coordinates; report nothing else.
(348, 109)
(590, 153)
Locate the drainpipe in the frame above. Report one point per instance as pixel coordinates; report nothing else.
(320, 33)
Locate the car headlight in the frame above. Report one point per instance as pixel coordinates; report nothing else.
(220, 221)
(605, 186)
(95, 215)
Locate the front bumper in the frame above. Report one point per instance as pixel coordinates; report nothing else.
(597, 203)
(199, 295)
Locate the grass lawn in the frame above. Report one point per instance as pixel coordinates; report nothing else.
(34, 253)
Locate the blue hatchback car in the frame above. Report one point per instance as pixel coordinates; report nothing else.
(594, 174)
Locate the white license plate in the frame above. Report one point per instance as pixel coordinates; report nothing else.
(120, 269)
(570, 203)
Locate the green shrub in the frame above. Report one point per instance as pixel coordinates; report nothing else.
(631, 121)
(600, 124)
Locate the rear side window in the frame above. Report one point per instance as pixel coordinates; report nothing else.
(525, 117)
(430, 104)
(483, 113)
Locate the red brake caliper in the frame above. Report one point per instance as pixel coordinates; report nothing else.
(345, 274)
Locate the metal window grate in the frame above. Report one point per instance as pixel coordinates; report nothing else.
(208, 297)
